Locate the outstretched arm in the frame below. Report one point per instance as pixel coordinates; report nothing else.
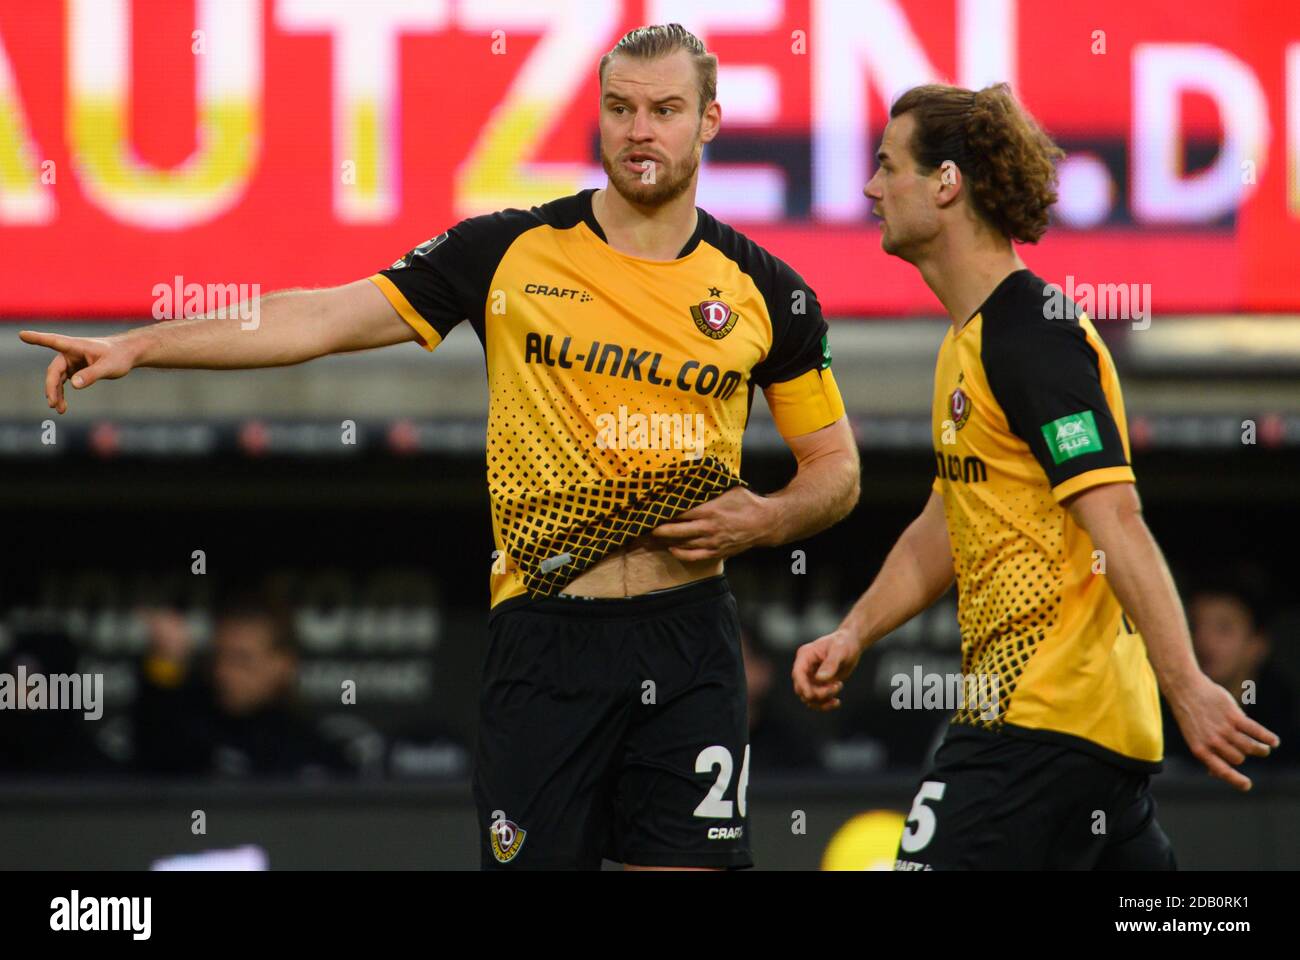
(287, 328)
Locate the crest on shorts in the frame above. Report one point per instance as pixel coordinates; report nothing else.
(507, 839)
(714, 318)
(959, 407)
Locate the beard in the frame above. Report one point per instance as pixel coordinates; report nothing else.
(671, 180)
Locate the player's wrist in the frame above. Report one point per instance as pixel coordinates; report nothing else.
(856, 631)
(1178, 685)
(771, 522)
(137, 344)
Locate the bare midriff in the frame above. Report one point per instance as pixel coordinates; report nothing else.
(639, 567)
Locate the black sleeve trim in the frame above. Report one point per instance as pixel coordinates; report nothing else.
(1046, 377)
(799, 339)
(446, 279)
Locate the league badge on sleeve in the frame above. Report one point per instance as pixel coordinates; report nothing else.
(422, 250)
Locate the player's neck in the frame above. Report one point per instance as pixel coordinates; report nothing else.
(655, 233)
(963, 279)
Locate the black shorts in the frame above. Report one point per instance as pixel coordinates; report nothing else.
(997, 802)
(616, 729)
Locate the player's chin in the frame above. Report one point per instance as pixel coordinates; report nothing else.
(637, 190)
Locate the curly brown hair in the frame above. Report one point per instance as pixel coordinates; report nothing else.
(1005, 157)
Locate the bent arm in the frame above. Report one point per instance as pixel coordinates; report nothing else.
(916, 573)
(825, 487)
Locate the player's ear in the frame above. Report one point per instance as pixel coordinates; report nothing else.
(710, 122)
(948, 183)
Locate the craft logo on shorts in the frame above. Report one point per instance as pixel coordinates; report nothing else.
(726, 833)
(714, 318)
(959, 407)
(507, 839)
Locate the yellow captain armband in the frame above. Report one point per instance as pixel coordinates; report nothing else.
(806, 403)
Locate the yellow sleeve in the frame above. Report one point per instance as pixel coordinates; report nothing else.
(429, 337)
(806, 403)
(1093, 478)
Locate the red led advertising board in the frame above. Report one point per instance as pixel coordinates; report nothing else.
(310, 142)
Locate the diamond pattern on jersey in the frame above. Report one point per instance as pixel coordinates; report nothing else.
(555, 534)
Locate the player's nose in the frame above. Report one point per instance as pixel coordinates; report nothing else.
(641, 129)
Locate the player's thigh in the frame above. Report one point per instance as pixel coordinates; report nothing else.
(682, 792)
(1137, 841)
(1002, 804)
(549, 731)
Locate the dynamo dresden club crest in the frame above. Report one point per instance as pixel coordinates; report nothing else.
(959, 407)
(507, 839)
(714, 318)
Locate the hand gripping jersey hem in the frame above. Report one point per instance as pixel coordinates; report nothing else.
(1093, 478)
(809, 402)
(429, 337)
(589, 543)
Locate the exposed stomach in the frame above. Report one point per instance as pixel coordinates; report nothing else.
(638, 567)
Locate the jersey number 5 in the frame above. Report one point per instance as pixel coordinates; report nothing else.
(921, 822)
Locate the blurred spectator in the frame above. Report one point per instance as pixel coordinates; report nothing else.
(876, 736)
(48, 741)
(237, 717)
(775, 742)
(1227, 620)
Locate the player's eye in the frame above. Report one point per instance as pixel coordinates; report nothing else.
(664, 110)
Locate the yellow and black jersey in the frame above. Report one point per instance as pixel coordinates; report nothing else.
(619, 386)
(1028, 412)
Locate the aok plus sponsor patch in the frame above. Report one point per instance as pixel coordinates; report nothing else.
(1072, 436)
